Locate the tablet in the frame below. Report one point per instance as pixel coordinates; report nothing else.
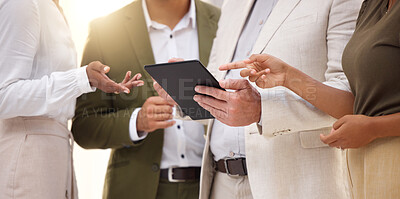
(179, 79)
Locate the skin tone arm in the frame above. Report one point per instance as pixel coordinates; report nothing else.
(268, 71)
(354, 131)
(350, 131)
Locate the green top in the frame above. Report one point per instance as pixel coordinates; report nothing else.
(371, 60)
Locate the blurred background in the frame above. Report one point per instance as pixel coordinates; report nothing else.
(91, 165)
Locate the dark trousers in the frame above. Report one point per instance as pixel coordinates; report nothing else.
(178, 190)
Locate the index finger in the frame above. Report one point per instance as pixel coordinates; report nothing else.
(234, 65)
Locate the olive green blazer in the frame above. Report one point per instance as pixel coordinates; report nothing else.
(101, 120)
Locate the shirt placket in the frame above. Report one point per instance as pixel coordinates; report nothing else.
(172, 48)
(181, 143)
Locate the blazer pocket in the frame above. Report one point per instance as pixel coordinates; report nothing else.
(300, 21)
(310, 139)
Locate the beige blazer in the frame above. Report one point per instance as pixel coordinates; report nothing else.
(285, 157)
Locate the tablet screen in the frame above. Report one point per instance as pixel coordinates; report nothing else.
(179, 79)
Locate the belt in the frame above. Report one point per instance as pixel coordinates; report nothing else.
(180, 174)
(232, 166)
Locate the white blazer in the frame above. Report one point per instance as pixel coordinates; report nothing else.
(285, 157)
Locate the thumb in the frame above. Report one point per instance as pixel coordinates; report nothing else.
(235, 84)
(339, 123)
(99, 67)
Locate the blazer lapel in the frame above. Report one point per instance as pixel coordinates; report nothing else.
(139, 38)
(207, 25)
(278, 16)
(237, 21)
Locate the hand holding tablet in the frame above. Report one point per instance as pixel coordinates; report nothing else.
(179, 79)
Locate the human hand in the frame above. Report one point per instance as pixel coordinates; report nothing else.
(131, 83)
(351, 131)
(239, 108)
(265, 70)
(96, 72)
(155, 114)
(163, 94)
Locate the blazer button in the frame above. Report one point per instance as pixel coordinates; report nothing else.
(155, 167)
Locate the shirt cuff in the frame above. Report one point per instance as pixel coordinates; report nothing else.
(83, 80)
(134, 134)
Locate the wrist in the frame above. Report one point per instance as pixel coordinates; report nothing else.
(139, 120)
(88, 75)
(290, 73)
(374, 126)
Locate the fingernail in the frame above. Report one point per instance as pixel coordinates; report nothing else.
(196, 89)
(116, 92)
(127, 91)
(106, 68)
(140, 84)
(196, 98)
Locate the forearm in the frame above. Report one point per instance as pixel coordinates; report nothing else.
(332, 101)
(387, 126)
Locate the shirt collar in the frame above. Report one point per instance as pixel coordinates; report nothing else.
(188, 19)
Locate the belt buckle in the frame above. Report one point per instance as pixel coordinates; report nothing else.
(226, 160)
(171, 175)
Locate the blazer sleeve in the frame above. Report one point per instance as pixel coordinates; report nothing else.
(279, 102)
(97, 123)
(20, 95)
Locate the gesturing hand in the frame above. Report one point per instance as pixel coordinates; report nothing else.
(96, 72)
(131, 83)
(155, 114)
(265, 70)
(239, 108)
(351, 131)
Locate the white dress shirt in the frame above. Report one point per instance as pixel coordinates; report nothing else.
(227, 141)
(183, 142)
(38, 75)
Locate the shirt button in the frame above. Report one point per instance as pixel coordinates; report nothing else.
(261, 22)
(231, 154)
(155, 167)
(179, 126)
(170, 36)
(182, 156)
